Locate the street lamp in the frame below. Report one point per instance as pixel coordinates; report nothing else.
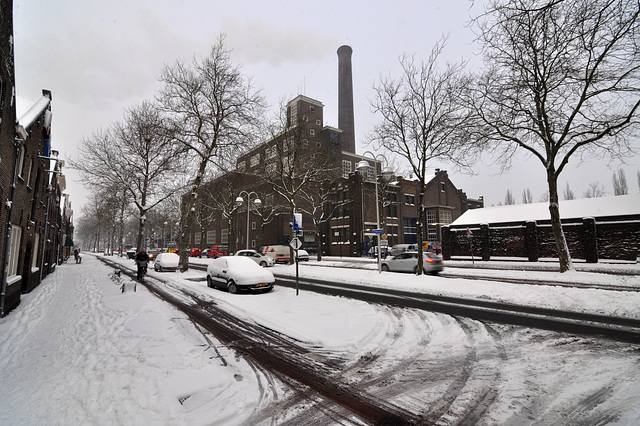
(164, 236)
(387, 173)
(256, 202)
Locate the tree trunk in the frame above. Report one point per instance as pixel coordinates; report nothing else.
(556, 225)
(419, 227)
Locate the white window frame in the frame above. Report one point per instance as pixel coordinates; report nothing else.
(224, 236)
(346, 168)
(14, 250)
(211, 237)
(34, 253)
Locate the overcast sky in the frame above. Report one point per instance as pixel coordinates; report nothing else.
(100, 57)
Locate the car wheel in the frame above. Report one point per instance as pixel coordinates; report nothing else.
(231, 287)
(263, 264)
(415, 269)
(434, 272)
(385, 268)
(210, 283)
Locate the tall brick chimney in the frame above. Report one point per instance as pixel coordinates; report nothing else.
(345, 100)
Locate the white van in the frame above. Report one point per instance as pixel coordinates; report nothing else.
(401, 248)
(279, 253)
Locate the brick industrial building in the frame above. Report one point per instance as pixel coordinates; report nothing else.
(338, 206)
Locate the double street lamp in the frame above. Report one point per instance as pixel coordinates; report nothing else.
(387, 173)
(256, 202)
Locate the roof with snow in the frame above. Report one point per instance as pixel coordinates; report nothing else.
(28, 110)
(621, 205)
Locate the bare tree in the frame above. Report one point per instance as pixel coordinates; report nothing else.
(595, 190)
(138, 156)
(527, 198)
(568, 193)
(562, 82)
(213, 110)
(509, 200)
(544, 197)
(423, 118)
(620, 183)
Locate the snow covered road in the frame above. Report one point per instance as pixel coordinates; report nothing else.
(77, 351)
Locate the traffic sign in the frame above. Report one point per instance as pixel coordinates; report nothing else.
(377, 231)
(295, 243)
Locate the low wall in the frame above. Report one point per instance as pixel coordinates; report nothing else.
(587, 238)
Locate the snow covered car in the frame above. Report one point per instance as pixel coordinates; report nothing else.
(237, 273)
(260, 259)
(408, 262)
(166, 262)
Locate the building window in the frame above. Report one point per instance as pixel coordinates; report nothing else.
(342, 201)
(305, 142)
(346, 168)
(445, 217)
(391, 205)
(312, 132)
(410, 199)
(270, 152)
(197, 238)
(255, 160)
(14, 250)
(253, 243)
(21, 162)
(211, 237)
(319, 123)
(34, 253)
(270, 168)
(29, 169)
(392, 234)
(441, 186)
(242, 166)
(253, 226)
(312, 108)
(409, 230)
(340, 234)
(224, 236)
(305, 118)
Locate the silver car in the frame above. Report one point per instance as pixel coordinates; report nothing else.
(408, 262)
(260, 259)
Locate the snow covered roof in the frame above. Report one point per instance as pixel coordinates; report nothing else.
(622, 205)
(28, 110)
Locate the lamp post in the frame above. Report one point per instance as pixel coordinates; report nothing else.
(164, 236)
(387, 172)
(256, 202)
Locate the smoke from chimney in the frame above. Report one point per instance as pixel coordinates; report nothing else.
(345, 100)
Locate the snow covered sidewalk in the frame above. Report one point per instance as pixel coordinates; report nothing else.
(78, 351)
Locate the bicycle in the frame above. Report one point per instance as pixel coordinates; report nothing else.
(116, 277)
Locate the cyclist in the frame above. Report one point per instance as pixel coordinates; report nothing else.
(142, 259)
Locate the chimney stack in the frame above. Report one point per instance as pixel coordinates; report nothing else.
(345, 100)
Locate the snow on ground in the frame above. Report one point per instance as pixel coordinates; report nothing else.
(78, 351)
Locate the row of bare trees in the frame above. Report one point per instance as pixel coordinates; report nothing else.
(561, 83)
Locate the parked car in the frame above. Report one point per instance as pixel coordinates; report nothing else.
(131, 253)
(166, 262)
(217, 251)
(195, 252)
(303, 256)
(204, 253)
(237, 273)
(279, 253)
(408, 262)
(260, 259)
